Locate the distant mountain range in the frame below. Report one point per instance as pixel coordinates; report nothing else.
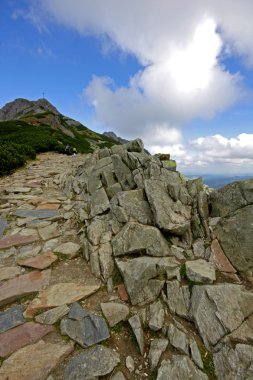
(216, 181)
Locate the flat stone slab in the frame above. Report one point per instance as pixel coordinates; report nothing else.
(157, 347)
(51, 316)
(85, 328)
(38, 262)
(68, 249)
(3, 225)
(23, 285)
(17, 189)
(49, 232)
(48, 206)
(35, 361)
(38, 214)
(114, 312)
(18, 337)
(11, 317)
(200, 271)
(92, 363)
(135, 323)
(16, 240)
(60, 294)
(7, 273)
(219, 258)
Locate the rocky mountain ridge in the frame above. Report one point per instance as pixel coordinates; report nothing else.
(173, 243)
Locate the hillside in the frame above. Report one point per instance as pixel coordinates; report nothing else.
(29, 127)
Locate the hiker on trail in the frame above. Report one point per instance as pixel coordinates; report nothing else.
(67, 150)
(74, 151)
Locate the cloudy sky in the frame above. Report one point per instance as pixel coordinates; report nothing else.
(178, 74)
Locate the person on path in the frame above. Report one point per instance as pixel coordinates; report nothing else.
(74, 151)
(67, 150)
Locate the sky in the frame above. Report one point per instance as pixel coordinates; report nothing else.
(177, 74)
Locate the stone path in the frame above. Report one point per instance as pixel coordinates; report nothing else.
(41, 271)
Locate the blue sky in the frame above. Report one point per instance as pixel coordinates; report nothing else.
(180, 76)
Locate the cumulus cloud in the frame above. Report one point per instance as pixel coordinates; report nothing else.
(179, 45)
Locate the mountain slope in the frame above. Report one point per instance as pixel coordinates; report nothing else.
(37, 126)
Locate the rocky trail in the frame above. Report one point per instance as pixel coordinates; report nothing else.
(113, 266)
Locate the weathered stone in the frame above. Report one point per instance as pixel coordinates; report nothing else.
(48, 206)
(122, 292)
(178, 339)
(157, 347)
(200, 271)
(18, 337)
(118, 376)
(120, 169)
(28, 251)
(135, 206)
(23, 285)
(3, 225)
(199, 248)
(60, 294)
(68, 249)
(94, 362)
(16, 240)
(7, 273)
(178, 298)
(170, 215)
(94, 263)
(234, 364)
(179, 367)
(38, 214)
(11, 317)
(140, 277)
(135, 237)
(98, 229)
(52, 316)
(135, 323)
(39, 262)
(99, 202)
(17, 190)
(35, 361)
(35, 223)
(235, 236)
(244, 333)
(130, 363)
(214, 315)
(113, 190)
(49, 232)
(114, 312)
(219, 259)
(50, 245)
(106, 260)
(195, 354)
(157, 314)
(85, 328)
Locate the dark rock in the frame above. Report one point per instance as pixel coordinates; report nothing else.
(39, 214)
(11, 318)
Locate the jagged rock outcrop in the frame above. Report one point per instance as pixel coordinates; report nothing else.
(20, 107)
(167, 235)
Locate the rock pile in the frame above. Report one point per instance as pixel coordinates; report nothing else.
(178, 247)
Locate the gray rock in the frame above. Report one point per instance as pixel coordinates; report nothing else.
(38, 214)
(11, 318)
(3, 225)
(234, 364)
(113, 190)
(180, 367)
(178, 339)
(94, 362)
(219, 309)
(141, 277)
(135, 323)
(114, 312)
(135, 237)
(235, 236)
(199, 248)
(130, 363)
(195, 354)
(157, 315)
(99, 202)
(157, 347)
(98, 229)
(120, 169)
(118, 376)
(94, 263)
(106, 260)
(178, 298)
(244, 333)
(170, 215)
(52, 316)
(200, 271)
(86, 329)
(135, 206)
(49, 232)
(69, 249)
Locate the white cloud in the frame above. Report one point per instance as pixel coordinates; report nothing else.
(179, 44)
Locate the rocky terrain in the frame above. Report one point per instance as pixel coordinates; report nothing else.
(114, 266)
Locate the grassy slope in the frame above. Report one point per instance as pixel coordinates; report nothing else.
(20, 139)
